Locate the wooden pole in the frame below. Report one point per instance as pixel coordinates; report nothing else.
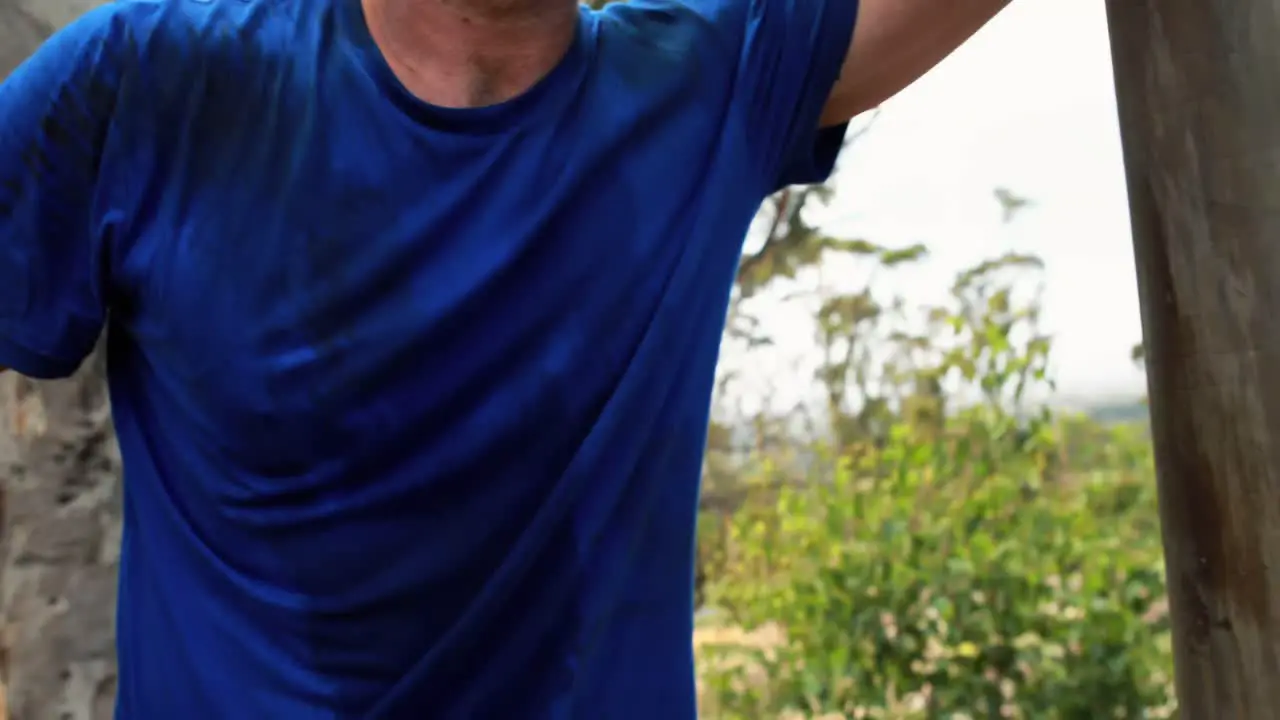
(1198, 84)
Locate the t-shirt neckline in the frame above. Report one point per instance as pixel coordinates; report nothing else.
(487, 119)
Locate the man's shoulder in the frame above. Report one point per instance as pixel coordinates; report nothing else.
(144, 42)
(176, 57)
(690, 45)
(662, 23)
(170, 36)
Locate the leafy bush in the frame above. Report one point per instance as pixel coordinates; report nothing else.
(952, 576)
(944, 550)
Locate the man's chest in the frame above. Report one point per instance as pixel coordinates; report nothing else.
(333, 281)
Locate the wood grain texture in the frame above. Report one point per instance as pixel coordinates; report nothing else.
(1198, 84)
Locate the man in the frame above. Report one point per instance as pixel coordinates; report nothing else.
(414, 307)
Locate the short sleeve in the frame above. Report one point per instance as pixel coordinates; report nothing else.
(793, 51)
(782, 58)
(55, 111)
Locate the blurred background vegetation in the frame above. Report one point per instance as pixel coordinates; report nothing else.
(928, 540)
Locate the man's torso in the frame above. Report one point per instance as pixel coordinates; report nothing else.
(413, 400)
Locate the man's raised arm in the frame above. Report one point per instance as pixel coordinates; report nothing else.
(897, 41)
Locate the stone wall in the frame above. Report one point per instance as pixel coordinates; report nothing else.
(59, 467)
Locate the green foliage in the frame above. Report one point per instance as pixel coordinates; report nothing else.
(944, 547)
(924, 580)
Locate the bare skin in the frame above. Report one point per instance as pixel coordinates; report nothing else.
(897, 41)
(471, 53)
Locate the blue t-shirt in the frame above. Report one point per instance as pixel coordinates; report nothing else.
(412, 400)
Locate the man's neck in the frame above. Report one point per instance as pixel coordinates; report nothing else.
(471, 53)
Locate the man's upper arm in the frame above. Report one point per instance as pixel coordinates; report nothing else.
(55, 110)
(896, 42)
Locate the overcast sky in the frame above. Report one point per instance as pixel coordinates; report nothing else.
(1027, 105)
